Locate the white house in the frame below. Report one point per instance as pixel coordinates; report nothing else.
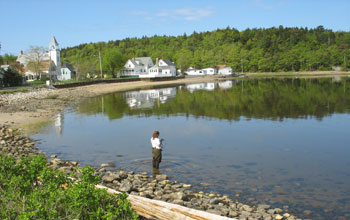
(136, 67)
(51, 63)
(225, 71)
(162, 68)
(194, 72)
(67, 72)
(209, 71)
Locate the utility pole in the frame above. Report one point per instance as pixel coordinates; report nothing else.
(99, 56)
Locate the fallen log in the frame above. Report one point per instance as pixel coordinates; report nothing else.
(155, 209)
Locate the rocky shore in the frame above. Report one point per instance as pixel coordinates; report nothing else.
(142, 184)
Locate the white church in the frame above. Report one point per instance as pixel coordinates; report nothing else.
(50, 64)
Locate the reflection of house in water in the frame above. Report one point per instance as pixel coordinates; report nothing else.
(58, 123)
(225, 85)
(146, 98)
(195, 86)
(209, 86)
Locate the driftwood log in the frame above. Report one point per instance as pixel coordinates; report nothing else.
(155, 209)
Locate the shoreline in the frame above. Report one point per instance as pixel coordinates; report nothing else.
(158, 187)
(29, 111)
(35, 108)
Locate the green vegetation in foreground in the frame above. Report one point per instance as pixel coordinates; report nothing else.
(29, 189)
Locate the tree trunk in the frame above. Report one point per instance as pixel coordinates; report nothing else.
(155, 209)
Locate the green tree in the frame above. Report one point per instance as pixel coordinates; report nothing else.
(112, 61)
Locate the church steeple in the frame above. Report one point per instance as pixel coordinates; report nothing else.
(53, 43)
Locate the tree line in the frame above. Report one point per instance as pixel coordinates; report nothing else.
(251, 50)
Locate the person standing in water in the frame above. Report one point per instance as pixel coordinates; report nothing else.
(157, 147)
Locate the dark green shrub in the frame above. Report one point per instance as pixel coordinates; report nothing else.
(31, 190)
(12, 78)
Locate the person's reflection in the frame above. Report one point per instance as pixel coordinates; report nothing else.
(156, 172)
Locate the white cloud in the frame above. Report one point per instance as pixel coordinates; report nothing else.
(187, 13)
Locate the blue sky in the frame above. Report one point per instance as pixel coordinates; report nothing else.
(34, 22)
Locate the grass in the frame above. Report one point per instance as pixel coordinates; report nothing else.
(37, 82)
(11, 91)
(53, 96)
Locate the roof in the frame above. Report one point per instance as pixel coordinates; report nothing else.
(53, 42)
(68, 66)
(144, 60)
(168, 62)
(221, 66)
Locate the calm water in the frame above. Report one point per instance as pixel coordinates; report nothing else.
(278, 142)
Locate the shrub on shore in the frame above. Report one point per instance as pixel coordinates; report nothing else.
(29, 189)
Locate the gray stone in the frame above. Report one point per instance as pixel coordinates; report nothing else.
(161, 177)
(178, 202)
(178, 196)
(263, 206)
(214, 201)
(232, 214)
(125, 186)
(214, 211)
(107, 179)
(247, 208)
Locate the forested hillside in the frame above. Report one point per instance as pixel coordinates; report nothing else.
(251, 50)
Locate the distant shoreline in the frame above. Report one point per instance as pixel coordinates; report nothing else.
(35, 109)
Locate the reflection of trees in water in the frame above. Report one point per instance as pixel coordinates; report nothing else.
(274, 99)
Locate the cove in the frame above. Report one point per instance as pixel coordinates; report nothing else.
(274, 141)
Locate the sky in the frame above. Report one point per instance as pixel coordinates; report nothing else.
(27, 23)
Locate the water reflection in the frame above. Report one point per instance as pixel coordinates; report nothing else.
(267, 99)
(146, 98)
(281, 141)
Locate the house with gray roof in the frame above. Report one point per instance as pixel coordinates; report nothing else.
(136, 66)
(162, 68)
(67, 72)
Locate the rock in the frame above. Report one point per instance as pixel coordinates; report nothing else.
(247, 208)
(278, 210)
(263, 206)
(214, 211)
(125, 186)
(214, 201)
(109, 164)
(74, 163)
(164, 182)
(178, 196)
(161, 177)
(186, 186)
(107, 179)
(286, 215)
(2, 142)
(278, 217)
(232, 214)
(307, 212)
(53, 156)
(178, 202)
